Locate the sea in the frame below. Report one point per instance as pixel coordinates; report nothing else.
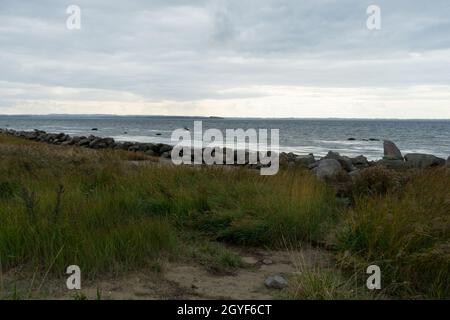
(349, 137)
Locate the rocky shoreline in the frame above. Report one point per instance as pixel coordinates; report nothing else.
(330, 165)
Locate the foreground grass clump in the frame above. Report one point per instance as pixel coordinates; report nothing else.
(240, 206)
(62, 205)
(326, 284)
(406, 233)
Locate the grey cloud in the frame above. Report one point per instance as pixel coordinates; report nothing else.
(188, 50)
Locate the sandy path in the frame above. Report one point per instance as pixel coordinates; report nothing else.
(193, 281)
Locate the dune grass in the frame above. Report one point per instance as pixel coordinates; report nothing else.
(62, 206)
(406, 232)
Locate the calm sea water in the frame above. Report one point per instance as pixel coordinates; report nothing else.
(301, 136)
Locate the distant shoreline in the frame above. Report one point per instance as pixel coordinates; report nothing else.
(392, 159)
(74, 116)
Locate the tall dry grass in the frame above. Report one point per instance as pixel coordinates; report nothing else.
(406, 232)
(63, 205)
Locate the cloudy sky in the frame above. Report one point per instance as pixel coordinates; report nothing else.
(260, 58)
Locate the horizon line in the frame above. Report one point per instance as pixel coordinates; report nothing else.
(212, 117)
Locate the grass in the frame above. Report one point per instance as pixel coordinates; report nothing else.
(215, 257)
(316, 283)
(406, 232)
(97, 209)
(62, 206)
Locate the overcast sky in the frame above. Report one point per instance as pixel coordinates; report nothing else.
(260, 58)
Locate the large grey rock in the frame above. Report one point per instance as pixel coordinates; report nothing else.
(391, 152)
(275, 282)
(74, 140)
(101, 143)
(151, 153)
(360, 162)
(305, 161)
(283, 159)
(345, 162)
(83, 142)
(448, 161)
(67, 142)
(164, 148)
(137, 147)
(393, 163)
(327, 168)
(124, 145)
(420, 160)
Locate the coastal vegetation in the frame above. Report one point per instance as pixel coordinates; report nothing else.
(114, 211)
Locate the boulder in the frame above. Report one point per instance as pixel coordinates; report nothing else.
(67, 142)
(345, 162)
(360, 162)
(49, 138)
(327, 168)
(393, 163)
(148, 146)
(275, 282)
(60, 136)
(136, 147)
(283, 159)
(391, 152)
(164, 148)
(101, 143)
(305, 161)
(151, 153)
(124, 145)
(84, 142)
(420, 160)
(74, 140)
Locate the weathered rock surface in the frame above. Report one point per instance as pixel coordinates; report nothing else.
(305, 161)
(101, 143)
(360, 162)
(163, 148)
(151, 153)
(391, 152)
(393, 163)
(275, 282)
(420, 160)
(345, 162)
(327, 168)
